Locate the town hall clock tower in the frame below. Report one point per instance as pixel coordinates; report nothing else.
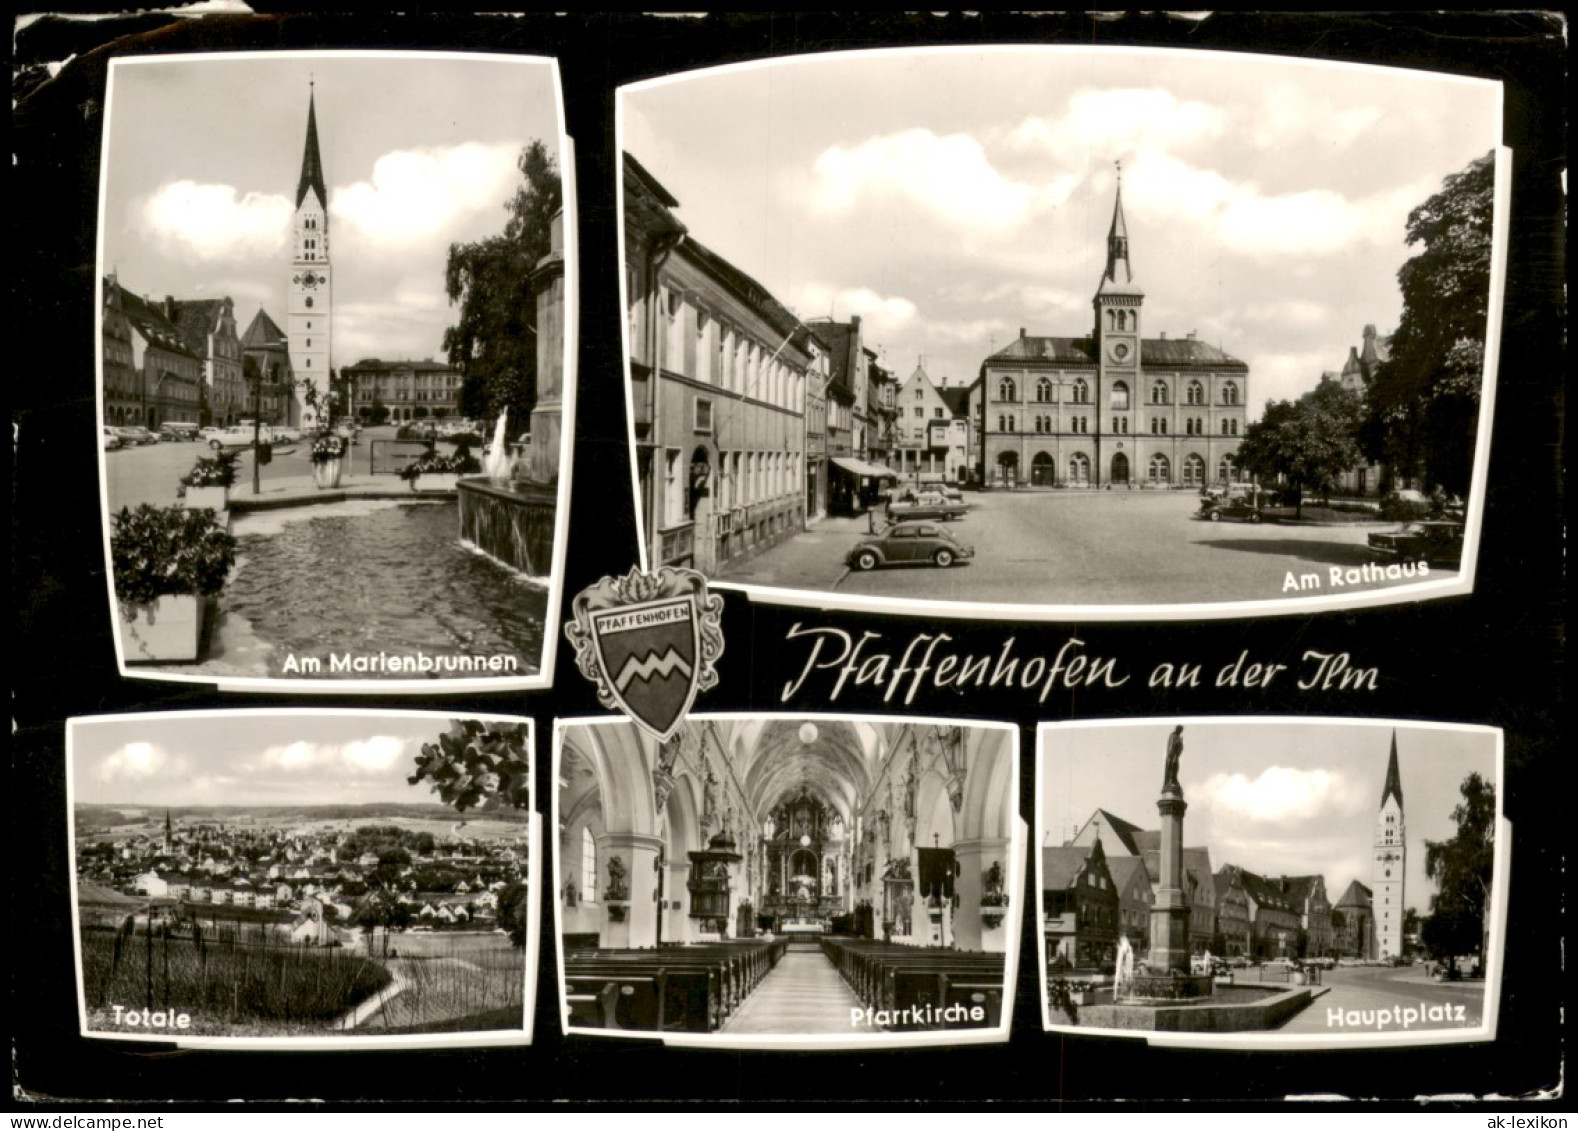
(1390, 859)
(309, 302)
(1116, 342)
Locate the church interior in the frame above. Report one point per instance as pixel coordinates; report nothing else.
(786, 875)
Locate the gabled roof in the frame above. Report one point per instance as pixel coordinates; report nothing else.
(957, 399)
(1155, 353)
(1061, 866)
(1123, 870)
(1355, 895)
(196, 319)
(150, 320)
(263, 333)
(427, 365)
(1123, 830)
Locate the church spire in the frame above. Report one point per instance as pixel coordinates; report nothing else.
(1118, 240)
(1394, 780)
(311, 161)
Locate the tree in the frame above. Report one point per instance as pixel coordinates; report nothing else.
(493, 343)
(478, 764)
(382, 908)
(1308, 443)
(512, 912)
(1461, 868)
(1424, 399)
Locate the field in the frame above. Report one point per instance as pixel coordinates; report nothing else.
(255, 985)
(452, 980)
(228, 987)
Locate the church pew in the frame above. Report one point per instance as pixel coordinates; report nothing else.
(895, 977)
(693, 988)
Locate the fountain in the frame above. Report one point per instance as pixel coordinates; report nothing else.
(509, 513)
(509, 519)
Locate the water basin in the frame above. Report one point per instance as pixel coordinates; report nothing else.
(374, 590)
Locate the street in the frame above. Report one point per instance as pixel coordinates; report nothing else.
(1377, 999)
(151, 473)
(1089, 548)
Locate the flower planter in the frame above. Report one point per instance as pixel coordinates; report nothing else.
(990, 919)
(430, 481)
(216, 499)
(326, 473)
(168, 630)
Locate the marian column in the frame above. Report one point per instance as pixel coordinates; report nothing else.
(1170, 913)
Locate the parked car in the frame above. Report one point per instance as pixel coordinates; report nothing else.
(909, 543)
(926, 504)
(946, 490)
(177, 431)
(240, 436)
(108, 439)
(1437, 541)
(1240, 510)
(134, 435)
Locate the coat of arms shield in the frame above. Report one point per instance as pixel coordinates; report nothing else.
(649, 642)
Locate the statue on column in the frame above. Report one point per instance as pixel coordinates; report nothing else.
(1174, 756)
(709, 799)
(663, 774)
(618, 888)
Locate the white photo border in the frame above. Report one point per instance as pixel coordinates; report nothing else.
(547, 659)
(1460, 585)
(1271, 1040)
(476, 1039)
(946, 1037)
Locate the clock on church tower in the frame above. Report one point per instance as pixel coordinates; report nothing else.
(309, 303)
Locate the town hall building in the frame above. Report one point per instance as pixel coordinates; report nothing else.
(1113, 408)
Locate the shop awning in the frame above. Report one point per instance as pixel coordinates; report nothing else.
(861, 467)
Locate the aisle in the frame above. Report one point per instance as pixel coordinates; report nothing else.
(803, 994)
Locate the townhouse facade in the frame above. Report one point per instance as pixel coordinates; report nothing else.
(719, 370)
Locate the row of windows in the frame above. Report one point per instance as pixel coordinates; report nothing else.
(1193, 426)
(1159, 470)
(1046, 391)
(724, 355)
(740, 479)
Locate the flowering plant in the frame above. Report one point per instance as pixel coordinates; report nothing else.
(432, 463)
(328, 446)
(166, 551)
(212, 471)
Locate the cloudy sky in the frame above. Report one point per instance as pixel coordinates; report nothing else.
(952, 198)
(204, 154)
(1294, 798)
(266, 758)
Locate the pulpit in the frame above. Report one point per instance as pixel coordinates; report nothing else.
(711, 883)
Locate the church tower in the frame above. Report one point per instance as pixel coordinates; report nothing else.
(309, 302)
(1390, 859)
(1116, 342)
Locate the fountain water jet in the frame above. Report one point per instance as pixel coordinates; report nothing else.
(508, 519)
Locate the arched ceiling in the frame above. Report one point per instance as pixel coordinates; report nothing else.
(838, 764)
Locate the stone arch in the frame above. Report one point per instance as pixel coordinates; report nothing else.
(618, 755)
(681, 833)
(989, 796)
(1120, 469)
